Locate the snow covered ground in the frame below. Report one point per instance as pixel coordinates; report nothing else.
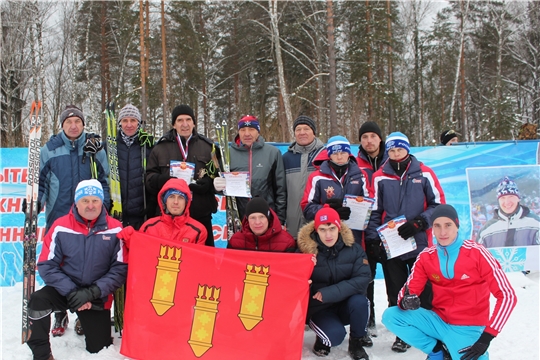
(518, 341)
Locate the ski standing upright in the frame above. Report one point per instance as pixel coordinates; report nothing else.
(31, 214)
(116, 199)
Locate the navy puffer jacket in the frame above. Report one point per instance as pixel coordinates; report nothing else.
(130, 168)
(341, 270)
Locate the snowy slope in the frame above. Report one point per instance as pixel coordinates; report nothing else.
(518, 341)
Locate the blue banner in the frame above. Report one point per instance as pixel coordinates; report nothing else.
(469, 174)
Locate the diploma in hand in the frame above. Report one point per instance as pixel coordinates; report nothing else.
(360, 211)
(393, 243)
(182, 170)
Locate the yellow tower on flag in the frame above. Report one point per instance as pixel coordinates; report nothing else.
(204, 319)
(167, 271)
(254, 295)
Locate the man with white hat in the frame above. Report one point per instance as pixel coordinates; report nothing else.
(82, 264)
(403, 186)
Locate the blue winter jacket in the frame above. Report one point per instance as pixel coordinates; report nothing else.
(77, 253)
(416, 193)
(63, 164)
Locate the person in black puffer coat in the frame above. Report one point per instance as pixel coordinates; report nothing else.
(339, 283)
(132, 143)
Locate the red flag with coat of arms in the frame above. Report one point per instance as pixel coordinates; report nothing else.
(187, 301)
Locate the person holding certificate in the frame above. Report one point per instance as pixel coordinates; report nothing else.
(338, 175)
(403, 186)
(250, 153)
(194, 152)
(463, 275)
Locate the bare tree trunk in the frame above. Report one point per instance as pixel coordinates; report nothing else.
(143, 62)
(203, 85)
(369, 63)
(105, 70)
(460, 63)
(334, 129)
(164, 66)
(273, 11)
(390, 67)
(89, 86)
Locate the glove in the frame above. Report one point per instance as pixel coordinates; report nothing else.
(344, 212)
(93, 145)
(373, 248)
(202, 186)
(24, 205)
(478, 348)
(145, 138)
(334, 203)
(220, 183)
(81, 296)
(412, 227)
(410, 301)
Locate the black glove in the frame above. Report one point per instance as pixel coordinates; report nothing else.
(478, 348)
(145, 138)
(412, 227)
(335, 203)
(202, 186)
(344, 212)
(93, 145)
(24, 205)
(373, 248)
(81, 296)
(410, 301)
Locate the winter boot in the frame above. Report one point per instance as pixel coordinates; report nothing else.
(61, 321)
(366, 341)
(320, 349)
(78, 327)
(356, 350)
(400, 345)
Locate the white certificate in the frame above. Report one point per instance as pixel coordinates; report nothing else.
(360, 211)
(394, 244)
(182, 170)
(237, 184)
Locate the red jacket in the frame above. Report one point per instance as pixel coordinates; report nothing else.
(461, 294)
(275, 239)
(181, 228)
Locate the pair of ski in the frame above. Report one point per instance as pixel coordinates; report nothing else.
(31, 215)
(233, 218)
(116, 198)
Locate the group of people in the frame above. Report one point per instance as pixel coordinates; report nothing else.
(297, 205)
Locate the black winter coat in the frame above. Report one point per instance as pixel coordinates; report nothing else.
(130, 168)
(199, 153)
(341, 270)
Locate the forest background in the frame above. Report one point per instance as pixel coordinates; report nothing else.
(414, 66)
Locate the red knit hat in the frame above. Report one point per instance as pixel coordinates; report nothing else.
(327, 215)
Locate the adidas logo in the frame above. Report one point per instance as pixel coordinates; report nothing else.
(464, 277)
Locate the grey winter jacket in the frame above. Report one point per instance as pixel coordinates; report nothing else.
(298, 163)
(520, 229)
(265, 165)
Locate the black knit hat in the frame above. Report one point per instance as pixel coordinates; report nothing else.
(448, 135)
(258, 205)
(305, 120)
(445, 210)
(183, 110)
(70, 111)
(369, 126)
